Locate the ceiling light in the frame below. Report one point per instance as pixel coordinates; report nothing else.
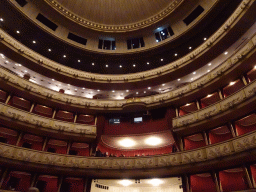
(125, 182)
(153, 141)
(175, 54)
(205, 39)
(34, 42)
(64, 56)
(192, 79)
(156, 40)
(78, 61)
(232, 83)
(194, 73)
(149, 87)
(162, 59)
(190, 47)
(178, 79)
(137, 93)
(7, 61)
(208, 71)
(25, 71)
(53, 80)
(113, 91)
(155, 182)
(255, 67)
(160, 89)
(226, 53)
(92, 63)
(127, 90)
(106, 65)
(145, 91)
(83, 88)
(19, 65)
(1, 19)
(68, 84)
(75, 89)
(209, 64)
(18, 32)
(49, 50)
(187, 104)
(163, 84)
(209, 95)
(134, 65)
(127, 142)
(98, 90)
(147, 63)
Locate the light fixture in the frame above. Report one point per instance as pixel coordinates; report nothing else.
(113, 91)
(98, 90)
(160, 89)
(153, 141)
(188, 104)
(145, 91)
(232, 83)
(127, 91)
(175, 54)
(125, 182)
(75, 89)
(190, 47)
(134, 65)
(18, 32)
(83, 88)
(147, 63)
(1, 19)
(64, 56)
(226, 53)
(53, 80)
(137, 93)
(192, 79)
(78, 61)
(209, 95)
(93, 64)
(163, 84)
(208, 70)
(34, 42)
(6, 61)
(68, 84)
(49, 50)
(127, 142)
(209, 64)
(194, 73)
(156, 40)
(155, 182)
(149, 87)
(205, 39)
(25, 71)
(106, 65)
(178, 79)
(17, 64)
(255, 67)
(162, 59)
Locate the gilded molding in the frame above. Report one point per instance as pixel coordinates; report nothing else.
(210, 152)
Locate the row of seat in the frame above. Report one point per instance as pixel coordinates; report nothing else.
(214, 97)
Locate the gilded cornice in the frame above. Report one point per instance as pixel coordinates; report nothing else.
(210, 152)
(114, 28)
(99, 104)
(134, 77)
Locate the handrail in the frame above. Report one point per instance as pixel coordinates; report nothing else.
(45, 122)
(43, 61)
(210, 152)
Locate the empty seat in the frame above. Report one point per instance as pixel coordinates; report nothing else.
(194, 141)
(56, 146)
(210, 99)
(219, 134)
(72, 185)
(8, 136)
(251, 75)
(233, 180)
(85, 119)
(188, 108)
(31, 142)
(3, 96)
(233, 87)
(65, 116)
(20, 103)
(253, 171)
(17, 181)
(202, 183)
(47, 183)
(81, 149)
(246, 125)
(43, 110)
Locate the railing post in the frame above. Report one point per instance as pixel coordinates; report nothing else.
(19, 138)
(45, 143)
(60, 179)
(32, 107)
(6, 172)
(216, 181)
(248, 178)
(220, 94)
(8, 99)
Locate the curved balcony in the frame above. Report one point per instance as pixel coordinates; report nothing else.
(174, 163)
(30, 56)
(235, 62)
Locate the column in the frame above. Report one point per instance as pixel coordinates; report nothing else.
(69, 146)
(206, 138)
(54, 113)
(216, 181)
(32, 107)
(45, 143)
(34, 179)
(220, 94)
(75, 118)
(8, 98)
(247, 176)
(19, 138)
(244, 80)
(87, 184)
(198, 104)
(177, 112)
(232, 129)
(187, 183)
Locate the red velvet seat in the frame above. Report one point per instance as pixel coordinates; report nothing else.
(188, 108)
(233, 87)
(246, 124)
(8, 135)
(233, 180)
(253, 171)
(194, 141)
(36, 142)
(251, 75)
(46, 183)
(18, 181)
(20, 103)
(82, 149)
(219, 134)
(56, 146)
(85, 119)
(210, 99)
(65, 116)
(73, 184)
(202, 183)
(43, 110)
(3, 96)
